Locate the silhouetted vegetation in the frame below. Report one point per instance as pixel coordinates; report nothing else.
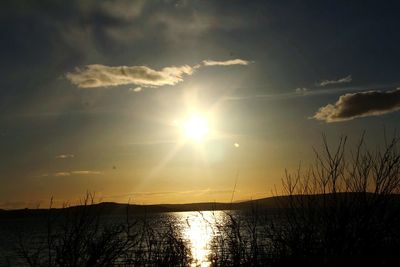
(78, 237)
(343, 210)
(340, 212)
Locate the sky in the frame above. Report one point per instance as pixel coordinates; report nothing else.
(97, 96)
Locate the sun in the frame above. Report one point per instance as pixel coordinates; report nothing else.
(195, 127)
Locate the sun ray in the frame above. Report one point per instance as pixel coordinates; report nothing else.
(165, 160)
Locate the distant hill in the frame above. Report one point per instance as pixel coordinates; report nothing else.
(111, 208)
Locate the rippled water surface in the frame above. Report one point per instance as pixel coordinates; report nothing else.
(197, 229)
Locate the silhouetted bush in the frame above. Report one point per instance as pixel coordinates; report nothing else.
(339, 212)
(77, 237)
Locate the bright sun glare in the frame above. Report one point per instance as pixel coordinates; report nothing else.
(195, 127)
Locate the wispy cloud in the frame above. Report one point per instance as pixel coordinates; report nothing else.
(136, 89)
(102, 76)
(305, 92)
(298, 92)
(96, 75)
(85, 172)
(360, 104)
(346, 79)
(65, 156)
(301, 90)
(166, 193)
(61, 174)
(225, 63)
(73, 173)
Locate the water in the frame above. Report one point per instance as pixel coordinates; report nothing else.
(197, 229)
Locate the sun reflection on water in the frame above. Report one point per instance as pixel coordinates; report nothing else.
(199, 228)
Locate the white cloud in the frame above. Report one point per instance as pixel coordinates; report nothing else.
(346, 79)
(136, 89)
(361, 104)
(225, 63)
(102, 76)
(96, 75)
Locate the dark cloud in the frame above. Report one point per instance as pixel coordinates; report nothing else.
(52, 37)
(361, 104)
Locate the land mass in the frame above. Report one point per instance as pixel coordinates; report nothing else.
(112, 208)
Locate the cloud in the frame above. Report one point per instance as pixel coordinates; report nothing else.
(225, 63)
(165, 193)
(65, 156)
(96, 75)
(346, 79)
(361, 104)
(174, 22)
(301, 90)
(123, 10)
(85, 172)
(136, 89)
(102, 76)
(61, 174)
(296, 93)
(72, 173)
